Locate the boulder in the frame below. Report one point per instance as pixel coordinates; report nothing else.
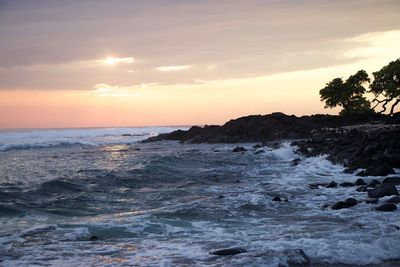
(392, 180)
(386, 207)
(362, 188)
(228, 251)
(383, 190)
(373, 183)
(381, 170)
(360, 181)
(394, 200)
(348, 203)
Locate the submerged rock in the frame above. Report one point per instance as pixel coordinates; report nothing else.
(386, 207)
(259, 152)
(295, 162)
(276, 199)
(348, 203)
(332, 184)
(346, 184)
(383, 190)
(228, 251)
(239, 149)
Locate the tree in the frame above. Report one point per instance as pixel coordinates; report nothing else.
(386, 86)
(347, 94)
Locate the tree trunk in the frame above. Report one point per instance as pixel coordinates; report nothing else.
(394, 105)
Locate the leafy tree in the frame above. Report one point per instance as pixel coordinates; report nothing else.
(347, 94)
(386, 86)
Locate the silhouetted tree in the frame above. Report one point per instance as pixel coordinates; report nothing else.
(347, 94)
(386, 86)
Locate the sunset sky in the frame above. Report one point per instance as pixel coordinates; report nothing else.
(89, 63)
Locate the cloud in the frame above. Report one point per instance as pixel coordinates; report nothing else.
(174, 68)
(42, 41)
(116, 60)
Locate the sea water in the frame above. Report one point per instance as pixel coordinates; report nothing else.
(99, 197)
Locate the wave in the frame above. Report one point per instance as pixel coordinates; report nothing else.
(31, 139)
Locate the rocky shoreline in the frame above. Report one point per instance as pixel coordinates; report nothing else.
(365, 145)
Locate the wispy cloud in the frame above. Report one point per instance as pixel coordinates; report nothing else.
(174, 68)
(116, 60)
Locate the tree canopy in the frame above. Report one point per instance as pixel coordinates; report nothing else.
(347, 94)
(386, 86)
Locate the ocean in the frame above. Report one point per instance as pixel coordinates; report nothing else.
(99, 197)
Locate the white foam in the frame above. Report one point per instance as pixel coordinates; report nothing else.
(25, 139)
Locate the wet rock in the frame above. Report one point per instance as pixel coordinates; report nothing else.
(350, 170)
(295, 162)
(371, 200)
(228, 251)
(386, 207)
(348, 203)
(360, 181)
(373, 183)
(277, 199)
(383, 190)
(315, 185)
(239, 149)
(259, 152)
(257, 146)
(381, 170)
(392, 180)
(362, 188)
(94, 238)
(332, 184)
(220, 196)
(296, 257)
(394, 200)
(346, 184)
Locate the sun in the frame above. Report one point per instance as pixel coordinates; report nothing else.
(111, 61)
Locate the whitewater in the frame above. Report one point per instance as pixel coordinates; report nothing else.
(100, 197)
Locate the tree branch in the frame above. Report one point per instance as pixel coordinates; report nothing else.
(394, 104)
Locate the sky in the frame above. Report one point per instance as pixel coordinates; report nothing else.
(98, 63)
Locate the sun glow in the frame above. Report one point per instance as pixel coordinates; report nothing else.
(116, 60)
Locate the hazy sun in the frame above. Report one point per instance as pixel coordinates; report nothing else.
(115, 60)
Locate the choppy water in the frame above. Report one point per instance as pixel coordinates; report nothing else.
(169, 204)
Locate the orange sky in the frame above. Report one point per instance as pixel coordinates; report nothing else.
(132, 79)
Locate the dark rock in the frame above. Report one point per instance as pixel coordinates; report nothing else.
(383, 190)
(360, 181)
(381, 170)
(94, 238)
(276, 199)
(332, 184)
(316, 185)
(228, 251)
(346, 184)
(220, 196)
(257, 146)
(394, 200)
(259, 152)
(350, 170)
(239, 149)
(392, 180)
(386, 207)
(362, 188)
(295, 162)
(371, 200)
(238, 181)
(373, 183)
(348, 203)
